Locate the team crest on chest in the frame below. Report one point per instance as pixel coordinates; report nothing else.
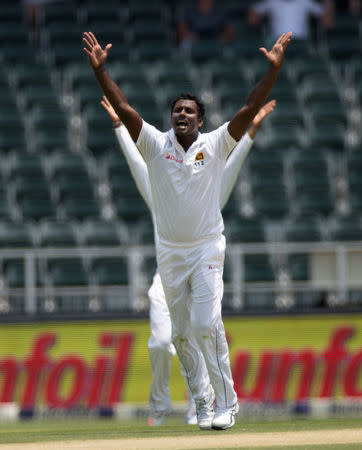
(199, 159)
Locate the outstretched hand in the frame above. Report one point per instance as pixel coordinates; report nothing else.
(109, 108)
(97, 55)
(276, 55)
(264, 112)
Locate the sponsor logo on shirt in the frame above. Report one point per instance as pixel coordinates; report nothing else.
(173, 158)
(199, 159)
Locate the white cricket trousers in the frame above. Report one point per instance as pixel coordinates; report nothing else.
(161, 350)
(193, 285)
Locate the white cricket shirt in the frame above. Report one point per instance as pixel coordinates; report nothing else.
(186, 185)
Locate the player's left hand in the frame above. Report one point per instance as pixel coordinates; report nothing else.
(263, 112)
(109, 108)
(276, 55)
(97, 55)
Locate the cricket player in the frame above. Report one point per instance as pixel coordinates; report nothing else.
(160, 346)
(185, 169)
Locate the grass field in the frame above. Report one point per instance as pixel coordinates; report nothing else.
(174, 434)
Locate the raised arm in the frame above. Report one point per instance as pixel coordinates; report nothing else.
(97, 57)
(243, 118)
(133, 157)
(240, 152)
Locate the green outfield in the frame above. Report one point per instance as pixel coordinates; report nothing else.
(91, 430)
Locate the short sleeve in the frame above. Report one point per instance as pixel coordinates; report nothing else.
(222, 141)
(147, 141)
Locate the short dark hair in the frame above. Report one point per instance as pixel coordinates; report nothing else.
(187, 96)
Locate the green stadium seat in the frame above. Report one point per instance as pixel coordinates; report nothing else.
(67, 272)
(328, 112)
(107, 12)
(203, 51)
(315, 201)
(153, 51)
(17, 35)
(148, 29)
(14, 274)
(101, 140)
(146, 232)
(346, 228)
(232, 96)
(327, 136)
(258, 268)
(15, 234)
(10, 14)
(70, 185)
(55, 13)
(271, 202)
(303, 229)
(56, 234)
(222, 72)
(18, 51)
(100, 233)
(39, 95)
(110, 271)
(29, 75)
(51, 140)
(149, 268)
(131, 210)
(305, 68)
(245, 230)
(36, 205)
(147, 10)
(65, 53)
(68, 163)
(318, 89)
(299, 267)
(25, 164)
(78, 206)
(344, 49)
(231, 208)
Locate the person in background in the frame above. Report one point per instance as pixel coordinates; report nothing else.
(291, 15)
(203, 20)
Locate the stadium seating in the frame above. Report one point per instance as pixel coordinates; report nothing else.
(61, 164)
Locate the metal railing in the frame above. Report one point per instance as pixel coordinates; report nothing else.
(334, 271)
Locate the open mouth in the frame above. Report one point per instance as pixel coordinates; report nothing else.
(181, 124)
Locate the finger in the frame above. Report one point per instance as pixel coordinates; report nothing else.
(270, 105)
(280, 38)
(87, 38)
(108, 47)
(88, 43)
(87, 52)
(286, 38)
(94, 40)
(263, 50)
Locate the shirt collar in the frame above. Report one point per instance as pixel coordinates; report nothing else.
(171, 135)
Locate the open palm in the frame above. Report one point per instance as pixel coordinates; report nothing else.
(97, 55)
(263, 112)
(276, 55)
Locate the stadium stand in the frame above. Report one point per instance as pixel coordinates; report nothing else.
(64, 183)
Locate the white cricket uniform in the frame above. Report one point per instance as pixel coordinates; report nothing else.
(160, 345)
(190, 254)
